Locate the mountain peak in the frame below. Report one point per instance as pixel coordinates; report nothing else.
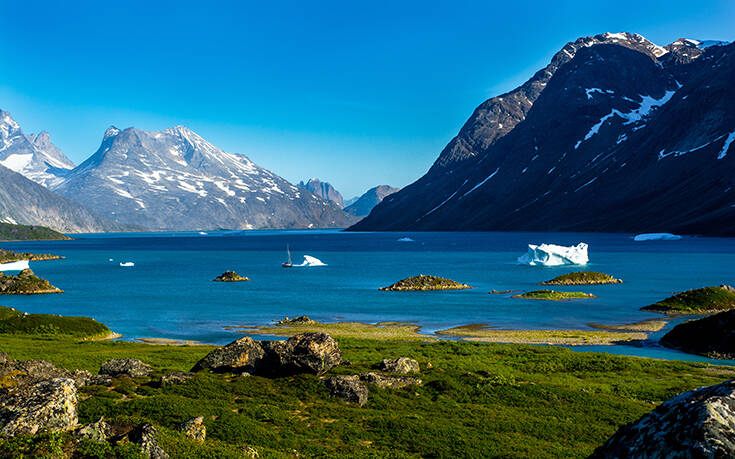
(111, 131)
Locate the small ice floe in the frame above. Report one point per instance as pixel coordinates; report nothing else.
(111, 259)
(127, 264)
(310, 261)
(19, 265)
(406, 239)
(202, 233)
(656, 237)
(555, 255)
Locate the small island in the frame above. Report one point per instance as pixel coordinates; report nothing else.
(553, 295)
(706, 300)
(12, 232)
(230, 276)
(712, 336)
(582, 278)
(8, 256)
(25, 283)
(14, 322)
(423, 283)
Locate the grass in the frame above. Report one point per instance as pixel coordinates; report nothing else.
(489, 399)
(15, 322)
(583, 278)
(696, 301)
(381, 331)
(11, 232)
(553, 295)
(482, 333)
(422, 282)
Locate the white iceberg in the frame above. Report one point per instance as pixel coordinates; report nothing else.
(555, 255)
(14, 266)
(127, 264)
(311, 261)
(656, 237)
(406, 239)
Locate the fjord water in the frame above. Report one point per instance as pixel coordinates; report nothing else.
(169, 292)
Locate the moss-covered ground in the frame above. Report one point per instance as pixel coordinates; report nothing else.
(15, 322)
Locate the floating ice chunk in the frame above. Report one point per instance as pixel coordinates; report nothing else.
(311, 261)
(19, 265)
(656, 237)
(406, 239)
(555, 255)
(127, 264)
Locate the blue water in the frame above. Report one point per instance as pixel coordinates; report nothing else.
(169, 292)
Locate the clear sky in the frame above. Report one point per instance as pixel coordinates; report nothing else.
(356, 93)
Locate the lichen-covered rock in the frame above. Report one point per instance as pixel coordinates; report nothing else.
(173, 379)
(295, 321)
(133, 368)
(697, 423)
(243, 354)
(310, 352)
(4, 358)
(402, 365)
(349, 388)
(251, 452)
(47, 406)
(97, 431)
(145, 436)
(195, 429)
(389, 381)
(27, 372)
(25, 283)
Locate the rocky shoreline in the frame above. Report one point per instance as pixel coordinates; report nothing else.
(25, 283)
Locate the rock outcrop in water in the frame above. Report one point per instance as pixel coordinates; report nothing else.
(712, 336)
(230, 276)
(582, 278)
(698, 423)
(25, 283)
(422, 283)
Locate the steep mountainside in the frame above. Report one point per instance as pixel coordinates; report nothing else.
(616, 134)
(324, 190)
(372, 197)
(25, 202)
(174, 179)
(34, 156)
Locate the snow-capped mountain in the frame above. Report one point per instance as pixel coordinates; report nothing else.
(615, 134)
(174, 179)
(323, 189)
(33, 156)
(364, 204)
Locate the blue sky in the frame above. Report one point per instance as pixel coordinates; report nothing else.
(356, 93)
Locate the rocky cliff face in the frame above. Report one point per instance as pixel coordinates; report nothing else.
(32, 155)
(324, 190)
(615, 134)
(372, 197)
(174, 179)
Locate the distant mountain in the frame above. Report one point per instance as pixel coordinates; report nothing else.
(365, 203)
(175, 180)
(25, 202)
(322, 189)
(34, 156)
(615, 134)
(352, 200)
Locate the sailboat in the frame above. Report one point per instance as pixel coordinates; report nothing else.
(289, 263)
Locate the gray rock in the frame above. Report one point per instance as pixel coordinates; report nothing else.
(309, 352)
(697, 423)
(195, 429)
(145, 436)
(389, 381)
(4, 358)
(28, 372)
(173, 379)
(97, 431)
(241, 355)
(251, 452)
(47, 406)
(349, 388)
(402, 365)
(133, 368)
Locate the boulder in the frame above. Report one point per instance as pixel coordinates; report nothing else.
(173, 379)
(389, 381)
(243, 354)
(195, 429)
(47, 406)
(133, 368)
(145, 436)
(4, 358)
(349, 388)
(97, 431)
(310, 352)
(697, 423)
(28, 372)
(402, 365)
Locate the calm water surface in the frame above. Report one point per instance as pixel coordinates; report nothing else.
(169, 292)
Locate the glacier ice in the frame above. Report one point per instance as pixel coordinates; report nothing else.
(555, 255)
(656, 237)
(405, 239)
(311, 261)
(14, 266)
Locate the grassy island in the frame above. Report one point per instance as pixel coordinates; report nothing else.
(553, 295)
(230, 276)
(11, 232)
(582, 278)
(422, 283)
(705, 300)
(380, 331)
(15, 322)
(8, 256)
(25, 283)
